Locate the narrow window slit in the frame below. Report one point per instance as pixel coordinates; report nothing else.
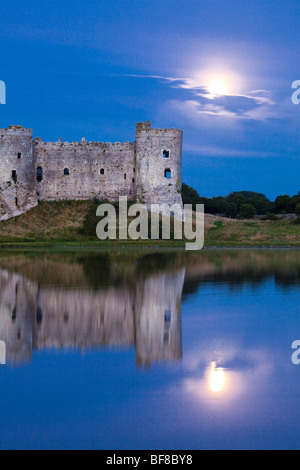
(39, 174)
(168, 173)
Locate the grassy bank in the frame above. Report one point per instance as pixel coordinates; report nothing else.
(61, 223)
(253, 233)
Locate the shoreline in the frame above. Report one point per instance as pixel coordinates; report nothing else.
(134, 246)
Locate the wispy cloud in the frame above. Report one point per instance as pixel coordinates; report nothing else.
(252, 105)
(215, 151)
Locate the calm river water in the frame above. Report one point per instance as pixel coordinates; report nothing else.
(149, 350)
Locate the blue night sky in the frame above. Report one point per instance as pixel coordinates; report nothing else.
(220, 70)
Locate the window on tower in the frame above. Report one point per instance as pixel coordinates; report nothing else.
(168, 173)
(39, 174)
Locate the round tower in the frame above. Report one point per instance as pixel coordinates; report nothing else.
(17, 177)
(159, 165)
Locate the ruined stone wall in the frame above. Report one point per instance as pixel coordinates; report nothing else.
(85, 170)
(159, 154)
(17, 177)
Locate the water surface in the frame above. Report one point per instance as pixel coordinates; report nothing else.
(149, 350)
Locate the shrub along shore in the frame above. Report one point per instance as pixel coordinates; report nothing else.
(244, 204)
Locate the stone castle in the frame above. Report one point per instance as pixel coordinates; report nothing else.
(147, 170)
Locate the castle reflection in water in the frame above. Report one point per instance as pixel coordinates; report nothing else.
(145, 313)
(90, 300)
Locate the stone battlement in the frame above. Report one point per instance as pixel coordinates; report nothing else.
(146, 127)
(60, 143)
(15, 130)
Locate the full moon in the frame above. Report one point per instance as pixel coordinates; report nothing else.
(218, 81)
(218, 87)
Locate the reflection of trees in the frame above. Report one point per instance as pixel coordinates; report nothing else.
(100, 268)
(234, 272)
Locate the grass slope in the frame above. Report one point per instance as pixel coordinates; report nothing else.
(62, 222)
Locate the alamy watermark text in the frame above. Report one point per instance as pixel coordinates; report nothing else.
(148, 224)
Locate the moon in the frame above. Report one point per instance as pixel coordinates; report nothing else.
(218, 86)
(219, 81)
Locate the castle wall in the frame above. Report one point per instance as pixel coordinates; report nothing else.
(85, 161)
(17, 194)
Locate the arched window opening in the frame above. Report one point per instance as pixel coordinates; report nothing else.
(19, 155)
(166, 154)
(14, 175)
(102, 171)
(39, 174)
(168, 173)
(125, 176)
(133, 180)
(66, 171)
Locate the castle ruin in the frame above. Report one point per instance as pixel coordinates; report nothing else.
(147, 170)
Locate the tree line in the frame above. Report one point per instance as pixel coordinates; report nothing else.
(243, 204)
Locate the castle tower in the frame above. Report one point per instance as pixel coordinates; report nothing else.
(17, 172)
(159, 162)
